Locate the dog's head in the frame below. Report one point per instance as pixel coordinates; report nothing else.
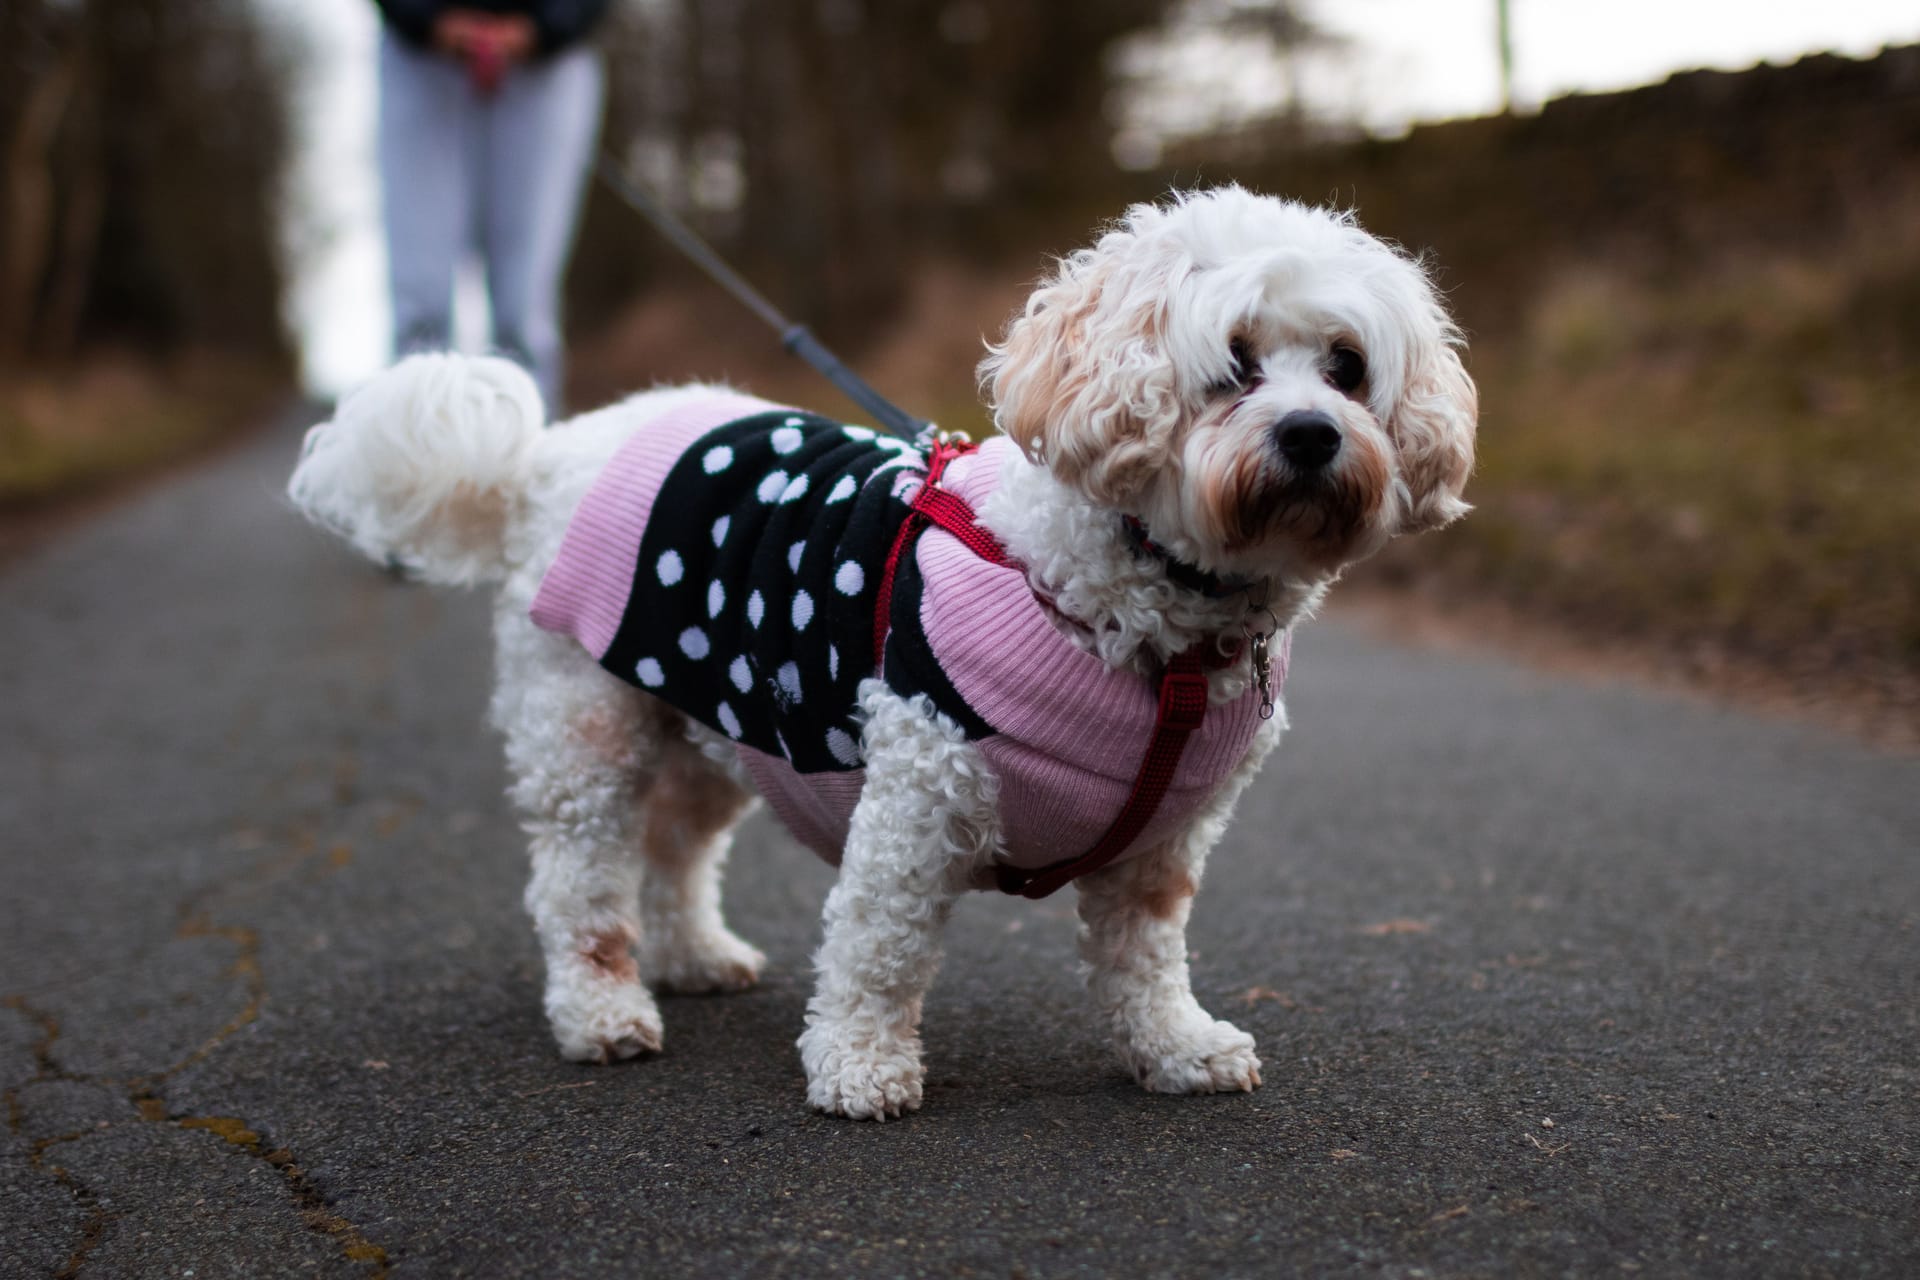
(1270, 389)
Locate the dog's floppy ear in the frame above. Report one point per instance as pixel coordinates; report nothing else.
(1433, 427)
(1081, 382)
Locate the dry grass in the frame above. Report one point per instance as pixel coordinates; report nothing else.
(68, 433)
(1728, 460)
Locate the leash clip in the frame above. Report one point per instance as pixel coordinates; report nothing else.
(1258, 641)
(932, 434)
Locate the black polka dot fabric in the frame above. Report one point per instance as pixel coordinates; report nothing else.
(753, 596)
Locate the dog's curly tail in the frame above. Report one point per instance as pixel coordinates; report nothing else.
(423, 464)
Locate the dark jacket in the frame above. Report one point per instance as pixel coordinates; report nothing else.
(558, 22)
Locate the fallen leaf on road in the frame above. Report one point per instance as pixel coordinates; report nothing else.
(1402, 925)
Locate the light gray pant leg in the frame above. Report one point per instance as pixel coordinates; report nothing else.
(538, 144)
(427, 121)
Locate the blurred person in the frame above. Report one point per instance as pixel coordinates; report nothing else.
(489, 115)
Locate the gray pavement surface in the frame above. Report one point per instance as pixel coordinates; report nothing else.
(1550, 978)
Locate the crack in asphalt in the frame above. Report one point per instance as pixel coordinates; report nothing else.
(144, 1092)
(94, 1227)
(246, 967)
(309, 1200)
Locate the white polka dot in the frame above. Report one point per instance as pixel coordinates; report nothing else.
(649, 673)
(849, 578)
(720, 529)
(742, 677)
(833, 663)
(773, 486)
(786, 439)
(717, 459)
(841, 746)
(669, 568)
(794, 553)
(894, 443)
(728, 721)
(693, 642)
(756, 608)
(802, 610)
(796, 488)
(789, 678)
(842, 489)
(717, 598)
(858, 433)
(793, 422)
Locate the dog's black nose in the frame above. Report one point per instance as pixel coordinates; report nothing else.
(1308, 439)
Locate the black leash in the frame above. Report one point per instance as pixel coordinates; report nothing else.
(796, 338)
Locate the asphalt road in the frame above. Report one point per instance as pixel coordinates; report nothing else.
(1550, 978)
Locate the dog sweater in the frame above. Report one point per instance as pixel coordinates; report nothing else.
(728, 560)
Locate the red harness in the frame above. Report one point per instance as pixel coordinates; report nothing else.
(1183, 685)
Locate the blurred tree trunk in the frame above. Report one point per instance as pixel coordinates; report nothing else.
(29, 216)
(1503, 35)
(79, 242)
(790, 207)
(144, 143)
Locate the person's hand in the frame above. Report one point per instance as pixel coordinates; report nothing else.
(488, 44)
(512, 36)
(456, 30)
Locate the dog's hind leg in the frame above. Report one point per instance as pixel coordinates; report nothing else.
(1133, 936)
(925, 821)
(685, 945)
(583, 750)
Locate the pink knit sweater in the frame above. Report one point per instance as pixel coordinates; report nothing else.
(1067, 733)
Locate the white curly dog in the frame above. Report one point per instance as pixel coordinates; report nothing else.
(1205, 416)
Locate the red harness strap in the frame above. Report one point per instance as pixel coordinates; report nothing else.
(932, 505)
(1183, 687)
(1183, 707)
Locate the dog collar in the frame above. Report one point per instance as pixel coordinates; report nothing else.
(1191, 576)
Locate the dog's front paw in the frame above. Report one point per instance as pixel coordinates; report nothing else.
(1212, 1057)
(860, 1077)
(606, 1023)
(718, 962)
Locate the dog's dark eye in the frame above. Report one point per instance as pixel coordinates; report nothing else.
(1346, 368)
(1244, 370)
(1242, 360)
